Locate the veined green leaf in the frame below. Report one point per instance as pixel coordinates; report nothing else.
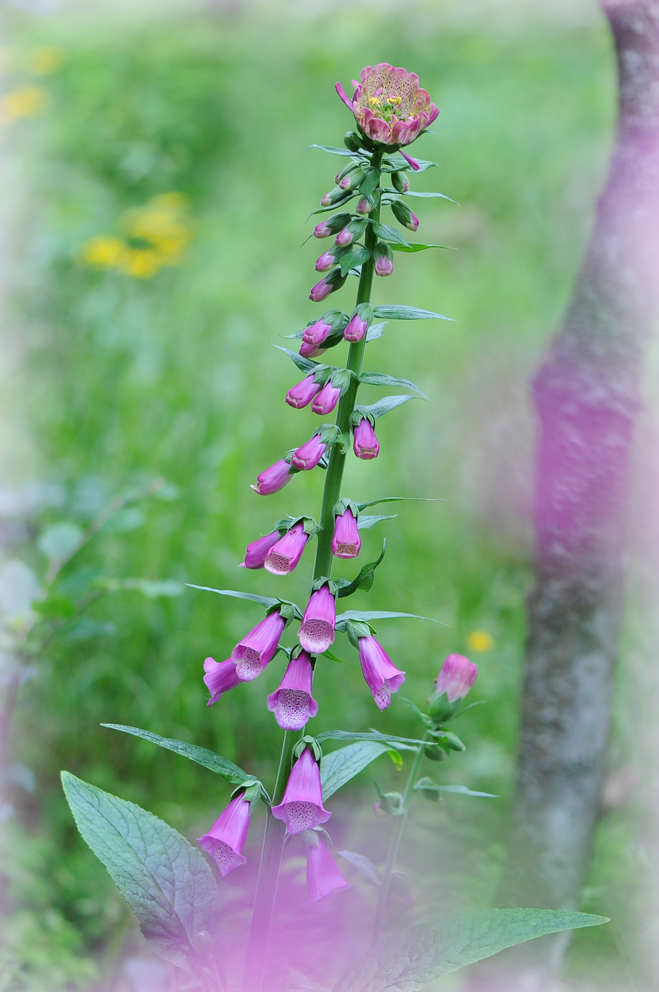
(372, 735)
(166, 881)
(375, 331)
(416, 246)
(209, 759)
(356, 257)
(266, 601)
(365, 578)
(414, 958)
(331, 150)
(385, 405)
(443, 196)
(400, 164)
(366, 522)
(386, 233)
(363, 865)
(367, 615)
(401, 499)
(332, 657)
(428, 785)
(304, 364)
(395, 312)
(382, 379)
(339, 767)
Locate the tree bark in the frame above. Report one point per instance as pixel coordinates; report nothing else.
(587, 394)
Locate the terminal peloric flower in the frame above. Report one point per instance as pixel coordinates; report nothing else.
(389, 105)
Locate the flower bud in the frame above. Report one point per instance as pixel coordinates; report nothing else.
(455, 679)
(332, 225)
(352, 141)
(309, 454)
(346, 542)
(317, 332)
(334, 280)
(400, 182)
(273, 479)
(326, 399)
(283, 556)
(311, 350)
(404, 215)
(352, 180)
(322, 230)
(365, 443)
(356, 329)
(384, 259)
(303, 393)
(363, 206)
(332, 197)
(325, 262)
(257, 551)
(343, 238)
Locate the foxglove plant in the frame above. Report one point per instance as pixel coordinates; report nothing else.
(169, 883)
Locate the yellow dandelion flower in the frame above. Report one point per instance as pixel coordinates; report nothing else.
(45, 59)
(480, 641)
(142, 263)
(173, 202)
(27, 101)
(103, 252)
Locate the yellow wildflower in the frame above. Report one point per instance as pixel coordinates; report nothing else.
(23, 102)
(103, 252)
(480, 641)
(141, 263)
(45, 59)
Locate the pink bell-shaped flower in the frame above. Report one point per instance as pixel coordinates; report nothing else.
(326, 399)
(283, 556)
(365, 444)
(317, 630)
(302, 394)
(302, 805)
(455, 679)
(220, 677)
(317, 332)
(255, 650)
(292, 703)
(226, 838)
(257, 551)
(382, 677)
(273, 479)
(389, 106)
(346, 542)
(311, 350)
(323, 873)
(309, 454)
(355, 329)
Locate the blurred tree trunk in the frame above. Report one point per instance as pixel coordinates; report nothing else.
(587, 396)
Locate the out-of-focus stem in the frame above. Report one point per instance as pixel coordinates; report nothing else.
(394, 844)
(275, 831)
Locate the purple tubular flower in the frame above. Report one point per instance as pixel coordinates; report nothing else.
(384, 265)
(456, 677)
(413, 162)
(322, 230)
(346, 542)
(317, 630)
(356, 329)
(325, 262)
(303, 393)
(273, 479)
(365, 443)
(363, 206)
(292, 703)
(317, 332)
(311, 350)
(309, 454)
(321, 291)
(413, 223)
(326, 399)
(302, 805)
(323, 873)
(382, 677)
(254, 652)
(226, 838)
(283, 556)
(256, 552)
(344, 237)
(219, 678)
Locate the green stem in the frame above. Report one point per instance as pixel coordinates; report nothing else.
(394, 845)
(275, 831)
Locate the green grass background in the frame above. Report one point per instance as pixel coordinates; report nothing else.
(122, 380)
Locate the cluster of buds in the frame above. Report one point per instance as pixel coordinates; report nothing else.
(390, 111)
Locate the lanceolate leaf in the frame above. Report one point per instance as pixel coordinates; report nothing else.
(365, 578)
(372, 735)
(367, 521)
(415, 246)
(427, 785)
(339, 767)
(399, 164)
(304, 364)
(167, 882)
(416, 957)
(442, 196)
(395, 312)
(266, 601)
(375, 331)
(331, 150)
(209, 759)
(356, 257)
(363, 865)
(382, 379)
(384, 405)
(389, 233)
(367, 615)
(401, 499)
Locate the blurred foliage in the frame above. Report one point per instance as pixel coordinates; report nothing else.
(172, 375)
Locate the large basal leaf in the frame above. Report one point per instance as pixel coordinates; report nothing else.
(168, 883)
(339, 767)
(395, 312)
(209, 759)
(411, 960)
